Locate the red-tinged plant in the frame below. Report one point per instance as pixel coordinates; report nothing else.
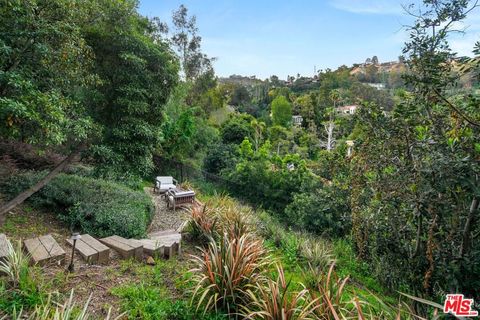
(275, 302)
(332, 301)
(226, 271)
(202, 224)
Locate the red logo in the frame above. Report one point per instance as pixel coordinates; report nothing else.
(457, 305)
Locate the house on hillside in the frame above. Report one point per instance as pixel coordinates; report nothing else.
(378, 86)
(297, 120)
(347, 109)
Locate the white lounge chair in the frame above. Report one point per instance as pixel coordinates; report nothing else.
(163, 184)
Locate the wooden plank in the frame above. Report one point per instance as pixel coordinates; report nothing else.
(124, 247)
(157, 234)
(53, 248)
(3, 246)
(36, 250)
(94, 243)
(137, 248)
(103, 251)
(170, 240)
(89, 254)
(152, 247)
(168, 237)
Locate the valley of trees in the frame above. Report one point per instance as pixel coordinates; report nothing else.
(92, 93)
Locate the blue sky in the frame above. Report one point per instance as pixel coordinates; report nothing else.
(286, 37)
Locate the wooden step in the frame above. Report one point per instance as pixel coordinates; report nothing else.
(170, 240)
(3, 247)
(151, 247)
(125, 247)
(162, 233)
(44, 250)
(92, 250)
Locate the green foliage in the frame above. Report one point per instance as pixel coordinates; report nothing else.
(67, 79)
(325, 211)
(138, 72)
(237, 128)
(275, 302)
(224, 272)
(281, 111)
(95, 206)
(140, 301)
(262, 178)
(19, 289)
(240, 96)
(219, 157)
(44, 62)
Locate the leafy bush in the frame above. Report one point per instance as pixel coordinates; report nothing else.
(225, 271)
(325, 211)
(95, 206)
(219, 157)
(237, 128)
(269, 180)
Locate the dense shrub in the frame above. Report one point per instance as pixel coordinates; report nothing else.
(219, 157)
(325, 211)
(237, 128)
(95, 206)
(269, 180)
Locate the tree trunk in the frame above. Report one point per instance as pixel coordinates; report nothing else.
(40, 184)
(330, 140)
(468, 227)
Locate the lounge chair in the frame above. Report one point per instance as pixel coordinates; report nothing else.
(163, 184)
(175, 198)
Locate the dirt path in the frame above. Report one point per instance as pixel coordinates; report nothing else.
(165, 218)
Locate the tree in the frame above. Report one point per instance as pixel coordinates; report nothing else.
(237, 128)
(281, 111)
(116, 116)
(44, 64)
(240, 96)
(415, 172)
(188, 44)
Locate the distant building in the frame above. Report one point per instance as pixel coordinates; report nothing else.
(378, 86)
(297, 120)
(347, 109)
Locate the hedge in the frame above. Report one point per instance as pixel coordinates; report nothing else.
(98, 207)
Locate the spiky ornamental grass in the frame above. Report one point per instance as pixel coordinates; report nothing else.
(226, 271)
(15, 265)
(202, 224)
(275, 302)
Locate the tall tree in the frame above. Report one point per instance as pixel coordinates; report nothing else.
(281, 111)
(58, 44)
(188, 44)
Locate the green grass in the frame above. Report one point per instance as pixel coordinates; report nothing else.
(159, 294)
(359, 272)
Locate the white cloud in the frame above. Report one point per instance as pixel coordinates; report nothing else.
(385, 7)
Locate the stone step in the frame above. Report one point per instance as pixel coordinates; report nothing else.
(92, 250)
(44, 250)
(126, 248)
